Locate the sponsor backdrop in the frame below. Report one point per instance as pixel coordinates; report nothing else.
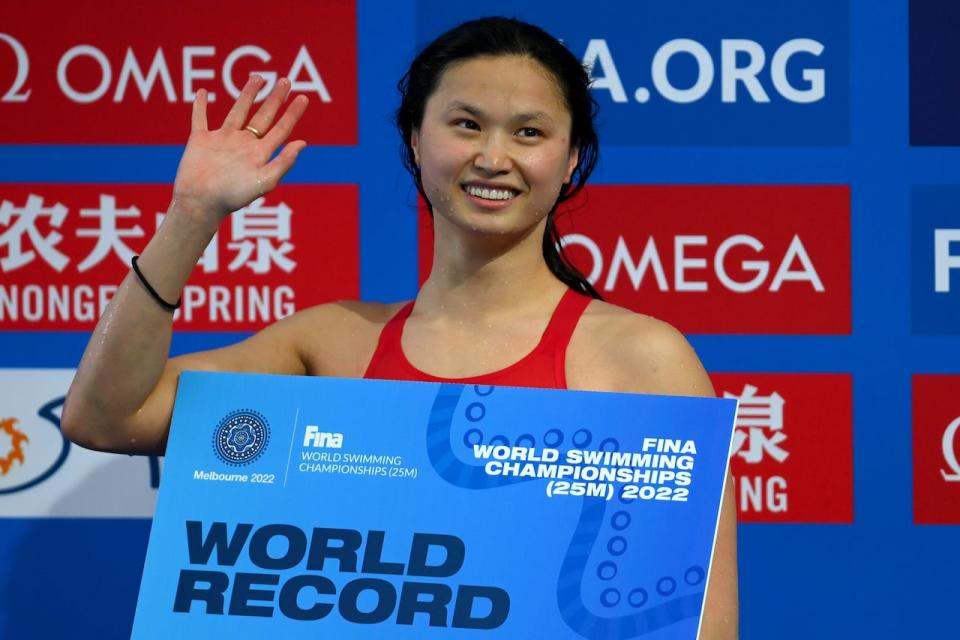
(778, 180)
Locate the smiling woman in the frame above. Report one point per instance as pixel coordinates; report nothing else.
(494, 47)
(496, 121)
(480, 145)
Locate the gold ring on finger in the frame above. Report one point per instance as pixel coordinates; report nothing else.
(254, 131)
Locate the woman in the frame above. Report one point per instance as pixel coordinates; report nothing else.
(496, 119)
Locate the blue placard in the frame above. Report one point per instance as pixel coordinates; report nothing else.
(337, 508)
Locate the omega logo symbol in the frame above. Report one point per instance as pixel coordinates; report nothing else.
(14, 93)
(948, 454)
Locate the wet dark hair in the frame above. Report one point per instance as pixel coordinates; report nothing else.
(509, 37)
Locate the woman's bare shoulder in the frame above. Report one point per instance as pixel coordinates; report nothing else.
(353, 313)
(338, 338)
(616, 349)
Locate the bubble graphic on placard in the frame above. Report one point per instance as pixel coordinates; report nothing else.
(610, 597)
(445, 462)
(637, 597)
(553, 438)
(610, 444)
(476, 411)
(607, 570)
(582, 438)
(617, 546)
(526, 440)
(620, 520)
(694, 575)
(472, 437)
(666, 586)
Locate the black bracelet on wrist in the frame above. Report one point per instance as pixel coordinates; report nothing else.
(153, 292)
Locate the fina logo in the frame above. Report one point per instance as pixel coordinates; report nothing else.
(313, 437)
(241, 437)
(948, 454)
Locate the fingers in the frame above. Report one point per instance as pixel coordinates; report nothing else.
(281, 130)
(238, 112)
(278, 167)
(198, 121)
(264, 116)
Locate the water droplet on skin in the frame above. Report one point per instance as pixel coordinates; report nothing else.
(107, 320)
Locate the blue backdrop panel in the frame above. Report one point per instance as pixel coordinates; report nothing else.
(881, 576)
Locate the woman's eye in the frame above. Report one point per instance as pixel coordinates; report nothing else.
(529, 132)
(467, 124)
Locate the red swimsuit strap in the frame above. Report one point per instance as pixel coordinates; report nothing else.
(552, 345)
(556, 336)
(389, 337)
(564, 320)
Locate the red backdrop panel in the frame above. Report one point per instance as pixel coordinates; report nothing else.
(126, 72)
(713, 259)
(936, 449)
(64, 248)
(793, 446)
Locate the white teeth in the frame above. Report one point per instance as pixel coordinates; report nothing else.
(489, 194)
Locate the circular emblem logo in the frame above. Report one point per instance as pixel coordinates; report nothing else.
(241, 437)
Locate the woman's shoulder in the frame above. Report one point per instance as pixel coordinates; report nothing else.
(337, 338)
(616, 349)
(602, 317)
(351, 312)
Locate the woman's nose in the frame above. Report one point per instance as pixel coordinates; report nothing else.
(493, 156)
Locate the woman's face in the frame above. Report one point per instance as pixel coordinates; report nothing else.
(494, 145)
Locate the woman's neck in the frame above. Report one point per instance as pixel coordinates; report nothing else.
(476, 278)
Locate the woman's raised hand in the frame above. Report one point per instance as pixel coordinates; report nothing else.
(122, 396)
(227, 168)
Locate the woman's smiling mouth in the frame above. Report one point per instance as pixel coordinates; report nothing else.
(489, 197)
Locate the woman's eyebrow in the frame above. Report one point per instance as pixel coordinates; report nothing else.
(533, 115)
(458, 105)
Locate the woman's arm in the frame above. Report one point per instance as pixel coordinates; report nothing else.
(677, 371)
(627, 352)
(121, 398)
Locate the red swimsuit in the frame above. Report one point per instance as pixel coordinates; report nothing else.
(542, 367)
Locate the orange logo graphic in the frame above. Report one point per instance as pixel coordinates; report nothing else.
(17, 438)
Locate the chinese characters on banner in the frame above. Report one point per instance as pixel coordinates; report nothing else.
(65, 248)
(792, 457)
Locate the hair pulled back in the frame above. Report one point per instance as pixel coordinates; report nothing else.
(509, 37)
